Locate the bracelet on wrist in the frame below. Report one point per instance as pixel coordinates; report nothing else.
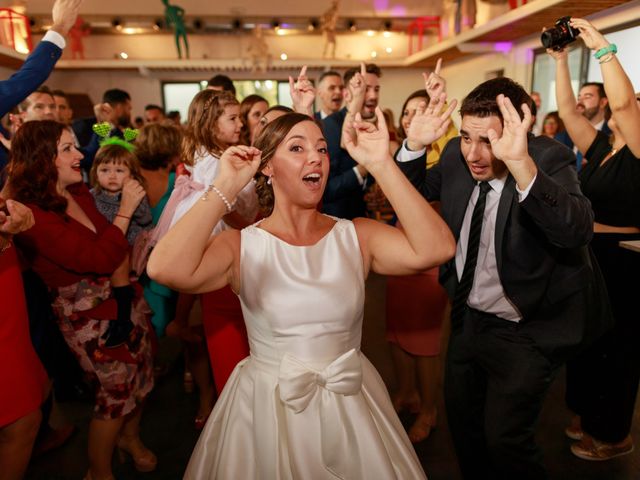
(225, 200)
(606, 58)
(611, 48)
(123, 216)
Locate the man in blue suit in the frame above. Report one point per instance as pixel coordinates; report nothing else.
(38, 66)
(344, 195)
(593, 103)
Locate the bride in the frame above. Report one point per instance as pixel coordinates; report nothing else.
(306, 404)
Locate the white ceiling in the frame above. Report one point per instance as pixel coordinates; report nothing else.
(247, 8)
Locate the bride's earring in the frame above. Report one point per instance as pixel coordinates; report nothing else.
(269, 180)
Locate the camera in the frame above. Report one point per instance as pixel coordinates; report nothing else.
(561, 35)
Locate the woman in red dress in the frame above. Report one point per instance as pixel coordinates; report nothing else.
(23, 379)
(75, 250)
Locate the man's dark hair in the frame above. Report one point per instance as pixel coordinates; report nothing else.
(223, 82)
(330, 73)
(481, 102)
(173, 114)
(598, 85)
(59, 93)
(115, 96)
(152, 106)
(369, 67)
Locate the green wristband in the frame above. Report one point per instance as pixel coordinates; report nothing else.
(603, 51)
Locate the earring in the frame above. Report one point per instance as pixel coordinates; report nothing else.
(269, 181)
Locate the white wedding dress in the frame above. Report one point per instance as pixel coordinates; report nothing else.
(306, 404)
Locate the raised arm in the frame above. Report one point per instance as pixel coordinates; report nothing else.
(552, 198)
(580, 130)
(40, 63)
(426, 240)
(622, 99)
(186, 258)
(302, 93)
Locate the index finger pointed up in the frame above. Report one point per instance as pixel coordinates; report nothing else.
(438, 66)
(382, 124)
(292, 85)
(363, 69)
(303, 71)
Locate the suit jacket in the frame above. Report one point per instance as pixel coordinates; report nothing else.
(32, 74)
(344, 195)
(543, 259)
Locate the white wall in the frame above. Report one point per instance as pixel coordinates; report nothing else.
(462, 75)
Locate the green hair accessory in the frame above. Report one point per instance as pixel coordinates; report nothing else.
(103, 129)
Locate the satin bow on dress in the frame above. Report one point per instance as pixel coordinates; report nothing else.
(299, 384)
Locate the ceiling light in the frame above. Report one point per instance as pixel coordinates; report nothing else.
(370, 33)
(281, 31)
(123, 55)
(388, 49)
(283, 56)
(352, 25)
(386, 34)
(374, 54)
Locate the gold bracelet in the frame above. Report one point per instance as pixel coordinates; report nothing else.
(607, 58)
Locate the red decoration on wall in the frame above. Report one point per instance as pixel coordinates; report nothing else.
(15, 31)
(417, 28)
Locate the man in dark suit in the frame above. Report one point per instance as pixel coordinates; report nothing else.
(524, 289)
(594, 106)
(344, 194)
(329, 94)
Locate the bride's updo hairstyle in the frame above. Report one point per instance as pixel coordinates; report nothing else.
(268, 141)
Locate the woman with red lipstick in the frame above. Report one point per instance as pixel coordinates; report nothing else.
(75, 249)
(306, 403)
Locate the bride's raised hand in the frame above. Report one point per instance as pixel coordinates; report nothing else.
(238, 165)
(370, 147)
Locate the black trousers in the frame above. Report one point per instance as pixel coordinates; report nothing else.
(495, 383)
(602, 381)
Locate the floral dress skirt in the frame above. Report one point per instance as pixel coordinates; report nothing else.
(124, 375)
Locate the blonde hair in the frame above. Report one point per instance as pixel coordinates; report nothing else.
(158, 144)
(119, 156)
(202, 129)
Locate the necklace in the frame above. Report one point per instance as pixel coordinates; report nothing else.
(613, 152)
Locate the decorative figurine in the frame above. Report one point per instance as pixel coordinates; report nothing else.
(328, 23)
(174, 16)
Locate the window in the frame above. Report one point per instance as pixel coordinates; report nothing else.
(178, 95)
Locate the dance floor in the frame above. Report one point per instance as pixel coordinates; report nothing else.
(167, 427)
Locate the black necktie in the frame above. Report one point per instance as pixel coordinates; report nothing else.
(466, 280)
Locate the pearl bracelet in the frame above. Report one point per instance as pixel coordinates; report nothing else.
(224, 199)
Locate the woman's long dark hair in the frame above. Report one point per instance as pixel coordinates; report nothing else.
(32, 172)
